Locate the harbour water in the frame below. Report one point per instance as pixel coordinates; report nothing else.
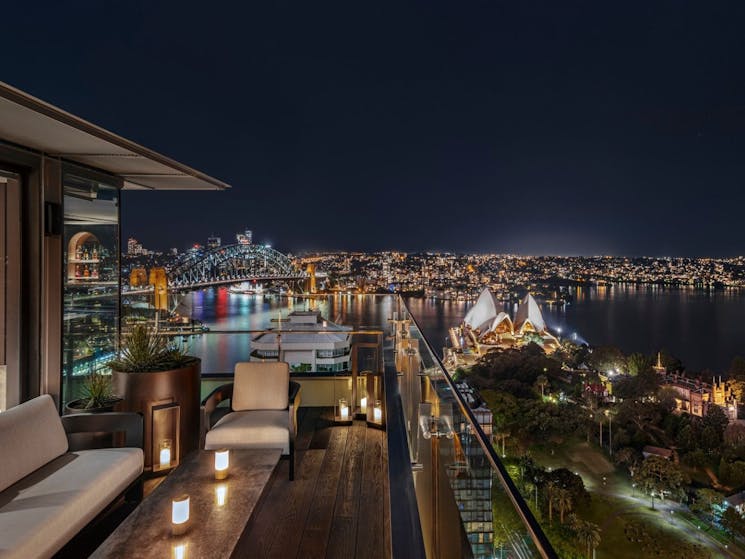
(705, 329)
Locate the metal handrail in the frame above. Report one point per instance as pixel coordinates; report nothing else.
(536, 532)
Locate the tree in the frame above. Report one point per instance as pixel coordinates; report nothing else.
(637, 363)
(630, 457)
(705, 500)
(563, 502)
(733, 522)
(717, 420)
(588, 533)
(734, 434)
(542, 382)
(606, 358)
(737, 368)
(551, 490)
(660, 477)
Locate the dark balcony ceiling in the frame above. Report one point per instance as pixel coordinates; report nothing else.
(33, 123)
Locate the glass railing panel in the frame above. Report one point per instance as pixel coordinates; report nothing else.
(468, 504)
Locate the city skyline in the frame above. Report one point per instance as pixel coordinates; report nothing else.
(536, 129)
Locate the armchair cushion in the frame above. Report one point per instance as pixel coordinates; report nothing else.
(251, 429)
(261, 386)
(31, 435)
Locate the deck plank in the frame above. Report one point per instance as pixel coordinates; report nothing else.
(370, 537)
(337, 506)
(318, 525)
(293, 505)
(342, 540)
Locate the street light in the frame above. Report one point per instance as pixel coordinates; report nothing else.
(610, 431)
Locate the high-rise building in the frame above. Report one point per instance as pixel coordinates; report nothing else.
(134, 247)
(213, 242)
(245, 238)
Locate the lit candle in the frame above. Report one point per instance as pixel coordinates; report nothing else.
(221, 495)
(377, 412)
(222, 459)
(343, 410)
(165, 454)
(179, 551)
(180, 514)
(363, 404)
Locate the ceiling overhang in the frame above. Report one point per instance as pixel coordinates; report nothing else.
(32, 123)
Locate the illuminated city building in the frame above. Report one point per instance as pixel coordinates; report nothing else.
(134, 247)
(486, 326)
(245, 238)
(213, 241)
(694, 396)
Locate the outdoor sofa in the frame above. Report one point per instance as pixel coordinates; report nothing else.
(48, 492)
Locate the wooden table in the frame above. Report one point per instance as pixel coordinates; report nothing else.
(214, 530)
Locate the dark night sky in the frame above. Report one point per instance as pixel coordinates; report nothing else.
(534, 127)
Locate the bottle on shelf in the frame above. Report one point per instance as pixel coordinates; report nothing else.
(77, 270)
(94, 273)
(95, 253)
(78, 253)
(85, 254)
(86, 272)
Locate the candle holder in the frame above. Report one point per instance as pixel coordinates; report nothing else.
(222, 461)
(165, 456)
(378, 412)
(180, 515)
(363, 401)
(343, 412)
(375, 407)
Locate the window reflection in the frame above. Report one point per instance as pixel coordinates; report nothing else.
(91, 280)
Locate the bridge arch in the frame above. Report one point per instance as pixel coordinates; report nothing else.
(232, 263)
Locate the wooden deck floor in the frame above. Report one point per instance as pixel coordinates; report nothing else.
(338, 505)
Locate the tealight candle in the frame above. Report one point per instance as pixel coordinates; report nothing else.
(180, 514)
(179, 551)
(222, 460)
(378, 412)
(165, 454)
(343, 410)
(363, 404)
(221, 495)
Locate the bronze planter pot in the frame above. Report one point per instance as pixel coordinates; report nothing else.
(142, 391)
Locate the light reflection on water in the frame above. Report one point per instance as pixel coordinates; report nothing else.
(704, 328)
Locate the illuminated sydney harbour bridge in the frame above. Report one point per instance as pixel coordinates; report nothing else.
(230, 264)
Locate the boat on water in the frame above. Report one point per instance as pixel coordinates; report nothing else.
(246, 288)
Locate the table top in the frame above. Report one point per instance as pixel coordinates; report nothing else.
(214, 530)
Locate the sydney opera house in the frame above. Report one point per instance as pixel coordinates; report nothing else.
(487, 326)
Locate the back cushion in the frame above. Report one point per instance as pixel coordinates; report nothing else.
(261, 386)
(30, 436)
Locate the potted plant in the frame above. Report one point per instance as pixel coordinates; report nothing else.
(152, 370)
(98, 396)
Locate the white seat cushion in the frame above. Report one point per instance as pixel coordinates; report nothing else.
(31, 435)
(43, 511)
(251, 429)
(260, 386)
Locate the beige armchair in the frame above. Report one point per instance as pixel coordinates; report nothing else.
(263, 410)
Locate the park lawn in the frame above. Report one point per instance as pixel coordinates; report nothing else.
(629, 527)
(624, 523)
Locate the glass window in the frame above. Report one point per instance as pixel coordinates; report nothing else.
(10, 289)
(91, 280)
